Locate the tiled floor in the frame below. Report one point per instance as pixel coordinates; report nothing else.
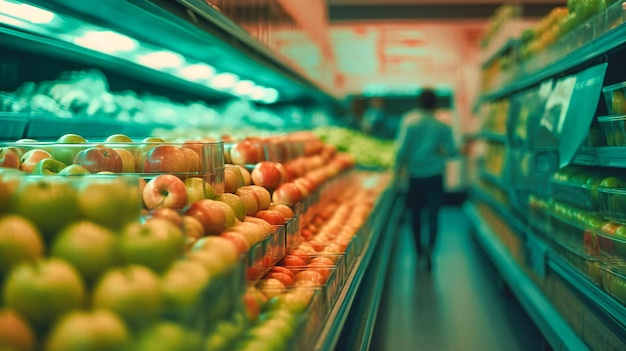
(459, 306)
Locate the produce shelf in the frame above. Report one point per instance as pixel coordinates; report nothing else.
(555, 329)
(607, 307)
(593, 49)
(338, 316)
(492, 136)
(189, 28)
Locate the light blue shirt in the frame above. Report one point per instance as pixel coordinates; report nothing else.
(424, 144)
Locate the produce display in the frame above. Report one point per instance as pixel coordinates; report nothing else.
(143, 238)
(366, 150)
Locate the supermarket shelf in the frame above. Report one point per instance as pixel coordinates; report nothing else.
(508, 216)
(607, 307)
(338, 316)
(358, 334)
(194, 30)
(555, 329)
(605, 43)
(492, 136)
(509, 44)
(493, 179)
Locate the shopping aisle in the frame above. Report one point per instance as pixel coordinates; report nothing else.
(458, 306)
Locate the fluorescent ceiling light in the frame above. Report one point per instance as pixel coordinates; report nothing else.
(258, 93)
(197, 72)
(106, 41)
(270, 96)
(26, 12)
(161, 59)
(224, 81)
(244, 87)
(10, 21)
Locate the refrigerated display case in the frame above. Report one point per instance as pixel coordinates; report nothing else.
(156, 68)
(550, 222)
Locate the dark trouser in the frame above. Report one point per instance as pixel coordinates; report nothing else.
(425, 194)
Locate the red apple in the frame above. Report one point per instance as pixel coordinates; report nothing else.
(168, 213)
(31, 158)
(244, 152)
(272, 217)
(284, 270)
(287, 194)
(156, 244)
(250, 200)
(133, 292)
(193, 231)
(293, 261)
(15, 332)
(268, 174)
(20, 241)
(194, 163)
(215, 216)
(100, 158)
(282, 277)
(285, 210)
(325, 261)
(239, 241)
(247, 180)
(311, 275)
(263, 195)
(128, 160)
(324, 269)
(44, 290)
(252, 305)
(9, 158)
(165, 159)
(271, 287)
(304, 255)
(165, 190)
(233, 179)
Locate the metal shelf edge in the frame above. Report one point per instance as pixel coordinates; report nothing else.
(336, 319)
(556, 330)
(613, 309)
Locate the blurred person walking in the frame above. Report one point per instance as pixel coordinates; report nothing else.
(424, 144)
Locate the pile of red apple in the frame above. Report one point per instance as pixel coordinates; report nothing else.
(72, 155)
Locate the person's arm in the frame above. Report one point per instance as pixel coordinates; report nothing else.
(402, 145)
(448, 146)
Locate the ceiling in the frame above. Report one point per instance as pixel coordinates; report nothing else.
(354, 10)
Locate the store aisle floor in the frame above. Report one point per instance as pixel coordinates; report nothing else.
(458, 306)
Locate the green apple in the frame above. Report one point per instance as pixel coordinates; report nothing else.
(224, 334)
(235, 203)
(183, 286)
(15, 332)
(91, 248)
(19, 241)
(618, 102)
(9, 181)
(613, 182)
(65, 152)
(156, 244)
(74, 170)
(48, 166)
(49, 202)
(83, 330)
(133, 292)
(111, 202)
(167, 336)
(198, 189)
(118, 138)
(44, 290)
(154, 140)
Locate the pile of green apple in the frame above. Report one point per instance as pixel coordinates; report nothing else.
(366, 150)
(81, 272)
